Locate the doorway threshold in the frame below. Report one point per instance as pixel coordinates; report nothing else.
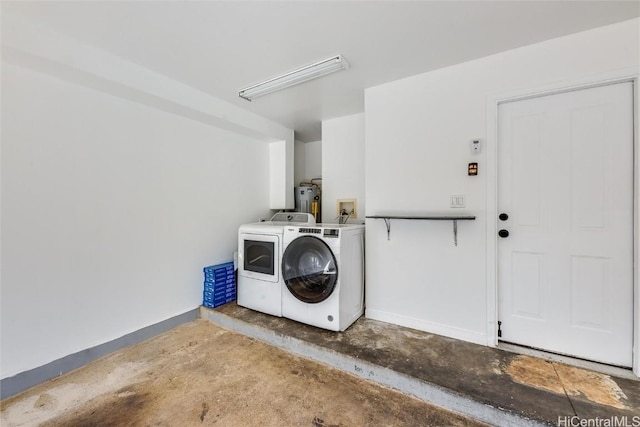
(603, 368)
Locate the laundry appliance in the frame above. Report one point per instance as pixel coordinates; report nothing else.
(259, 256)
(323, 273)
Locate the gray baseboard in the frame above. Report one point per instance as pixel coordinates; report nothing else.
(24, 380)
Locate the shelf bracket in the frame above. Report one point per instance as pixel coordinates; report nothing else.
(387, 222)
(454, 219)
(455, 232)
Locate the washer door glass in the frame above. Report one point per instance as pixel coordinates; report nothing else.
(309, 269)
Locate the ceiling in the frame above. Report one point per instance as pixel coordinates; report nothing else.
(220, 47)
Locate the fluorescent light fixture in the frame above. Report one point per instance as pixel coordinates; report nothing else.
(319, 69)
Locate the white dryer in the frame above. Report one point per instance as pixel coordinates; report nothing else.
(323, 273)
(259, 255)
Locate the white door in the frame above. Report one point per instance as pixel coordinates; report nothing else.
(565, 181)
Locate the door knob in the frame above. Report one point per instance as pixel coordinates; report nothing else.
(503, 217)
(503, 233)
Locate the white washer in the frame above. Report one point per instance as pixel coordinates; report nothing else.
(259, 254)
(323, 274)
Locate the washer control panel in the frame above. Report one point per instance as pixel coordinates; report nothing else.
(327, 232)
(331, 232)
(309, 230)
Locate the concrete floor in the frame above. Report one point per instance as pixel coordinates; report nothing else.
(204, 373)
(199, 374)
(489, 384)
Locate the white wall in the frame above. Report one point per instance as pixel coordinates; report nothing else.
(308, 161)
(118, 186)
(298, 163)
(343, 162)
(418, 132)
(281, 170)
(34, 46)
(110, 210)
(313, 160)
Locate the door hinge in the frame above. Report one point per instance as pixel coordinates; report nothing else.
(499, 329)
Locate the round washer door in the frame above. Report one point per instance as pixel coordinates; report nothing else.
(309, 269)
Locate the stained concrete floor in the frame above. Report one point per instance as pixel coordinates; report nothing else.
(524, 387)
(199, 374)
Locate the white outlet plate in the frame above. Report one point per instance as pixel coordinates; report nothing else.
(457, 201)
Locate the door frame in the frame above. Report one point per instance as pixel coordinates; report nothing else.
(628, 75)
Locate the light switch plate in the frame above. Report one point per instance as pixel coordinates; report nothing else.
(457, 201)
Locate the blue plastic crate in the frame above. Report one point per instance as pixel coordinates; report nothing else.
(219, 276)
(214, 277)
(221, 293)
(218, 301)
(214, 304)
(219, 268)
(219, 285)
(214, 292)
(212, 287)
(213, 297)
(222, 284)
(221, 281)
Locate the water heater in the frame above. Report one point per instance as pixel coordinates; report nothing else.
(304, 197)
